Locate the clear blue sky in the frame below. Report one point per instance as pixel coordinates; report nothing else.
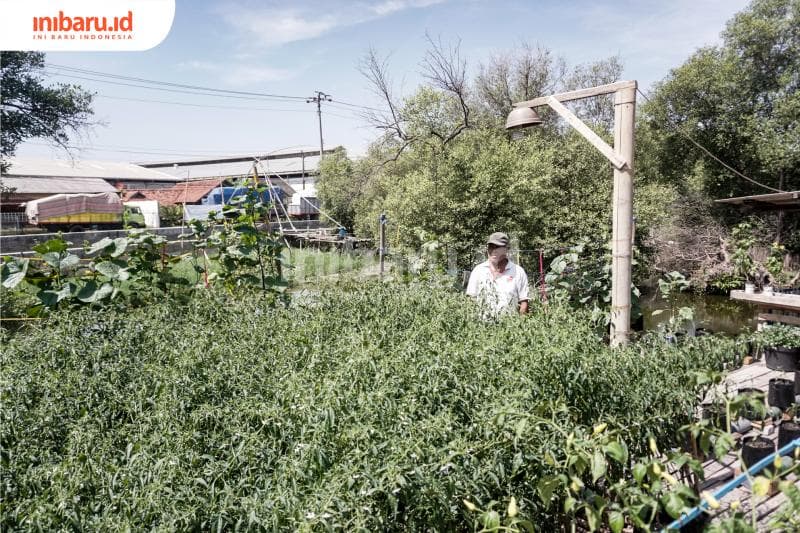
(294, 48)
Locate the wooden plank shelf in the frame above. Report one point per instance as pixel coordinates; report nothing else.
(776, 301)
(717, 473)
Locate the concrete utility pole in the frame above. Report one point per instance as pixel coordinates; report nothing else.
(621, 158)
(318, 99)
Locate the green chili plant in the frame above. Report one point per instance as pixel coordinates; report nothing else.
(369, 406)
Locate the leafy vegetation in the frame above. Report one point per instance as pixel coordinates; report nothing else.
(248, 254)
(370, 409)
(138, 268)
(31, 109)
(779, 335)
(739, 100)
(550, 188)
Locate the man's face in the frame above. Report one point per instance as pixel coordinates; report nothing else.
(498, 254)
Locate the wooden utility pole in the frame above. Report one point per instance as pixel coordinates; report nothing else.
(621, 157)
(318, 99)
(622, 221)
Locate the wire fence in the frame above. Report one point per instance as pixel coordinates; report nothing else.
(12, 222)
(313, 265)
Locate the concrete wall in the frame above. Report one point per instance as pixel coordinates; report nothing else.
(23, 244)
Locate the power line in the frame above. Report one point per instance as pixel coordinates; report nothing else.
(356, 105)
(178, 150)
(712, 156)
(125, 151)
(171, 84)
(164, 89)
(210, 106)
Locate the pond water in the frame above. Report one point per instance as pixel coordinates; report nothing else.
(714, 312)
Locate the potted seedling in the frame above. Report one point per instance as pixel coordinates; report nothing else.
(781, 344)
(756, 448)
(758, 278)
(774, 266)
(787, 432)
(743, 265)
(752, 407)
(781, 393)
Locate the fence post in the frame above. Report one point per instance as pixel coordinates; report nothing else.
(382, 249)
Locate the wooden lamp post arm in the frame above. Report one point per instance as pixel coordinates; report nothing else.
(587, 133)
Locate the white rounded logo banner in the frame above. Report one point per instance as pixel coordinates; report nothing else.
(84, 25)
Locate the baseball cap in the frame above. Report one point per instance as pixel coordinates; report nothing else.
(498, 239)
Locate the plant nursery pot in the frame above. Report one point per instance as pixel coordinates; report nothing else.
(787, 432)
(767, 290)
(749, 288)
(796, 383)
(785, 359)
(716, 413)
(747, 411)
(756, 448)
(781, 393)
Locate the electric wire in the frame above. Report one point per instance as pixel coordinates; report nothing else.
(144, 100)
(178, 85)
(348, 104)
(138, 152)
(71, 71)
(712, 156)
(210, 106)
(163, 89)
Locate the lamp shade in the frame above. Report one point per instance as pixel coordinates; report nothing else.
(522, 117)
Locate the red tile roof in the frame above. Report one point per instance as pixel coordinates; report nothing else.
(190, 192)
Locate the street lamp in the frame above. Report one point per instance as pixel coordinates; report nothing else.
(621, 157)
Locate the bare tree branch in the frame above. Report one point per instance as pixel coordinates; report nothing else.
(375, 69)
(524, 73)
(444, 67)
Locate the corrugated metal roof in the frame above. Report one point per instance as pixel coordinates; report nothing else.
(56, 185)
(282, 167)
(32, 167)
(188, 192)
(778, 200)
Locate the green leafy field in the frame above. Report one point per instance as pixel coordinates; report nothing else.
(373, 407)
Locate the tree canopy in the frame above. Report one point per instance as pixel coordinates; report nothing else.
(443, 173)
(740, 101)
(445, 168)
(31, 109)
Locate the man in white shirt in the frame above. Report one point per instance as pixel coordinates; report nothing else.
(499, 285)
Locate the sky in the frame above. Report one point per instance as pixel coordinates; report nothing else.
(296, 48)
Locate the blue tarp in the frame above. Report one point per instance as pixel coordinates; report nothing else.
(223, 195)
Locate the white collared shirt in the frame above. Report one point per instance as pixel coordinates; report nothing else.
(501, 293)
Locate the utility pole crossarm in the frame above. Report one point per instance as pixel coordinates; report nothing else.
(610, 88)
(587, 133)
